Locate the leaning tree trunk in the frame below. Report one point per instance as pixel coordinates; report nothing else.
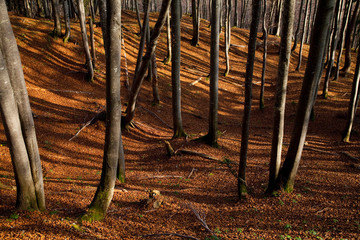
(265, 36)
(354, 101)
(256, 12)
(89, 65)
(168, 40)
(175, 68)
(105, 190)
(135, 87)
(288, 9)
(15, 74)
(227, 35)
(57, 21)
(313, 70)
(154, 78)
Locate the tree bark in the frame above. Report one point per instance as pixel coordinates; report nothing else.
(313, 70)
(280, 97)
(195, 7)
(67, 21)
(168, 40)
(296, 35)
(256, 12)
(57, 21)
(265, 36)
(175, 68)
(303, 35)
(228, 8)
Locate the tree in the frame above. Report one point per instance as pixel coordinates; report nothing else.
(256, 12)
(303, 35)
(18, 121)
(175, 68)
(280, 96)
(313, 70)
(67, 21)
(195, 7)
(57, 21)
(89, 65)
(228, 9)
(354, 101)
(168, 40)
(265, 36)
(105, 190)
(296, 35)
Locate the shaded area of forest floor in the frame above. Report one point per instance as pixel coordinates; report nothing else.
(324, 205)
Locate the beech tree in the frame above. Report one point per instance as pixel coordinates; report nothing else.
(56, 16)
(303, 35)
(286, 177)
(256, 12)
(280, 96)
(228, 8)
(18, 121)
(195, 7)
(67, 21)
(264, 37)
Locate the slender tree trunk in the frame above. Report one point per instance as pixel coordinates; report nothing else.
(135, 87)
(298, 26)
(103, 20)
(57, 21)
(349, 31)
(13, 71)
(138, 14)
(168, 40)
(280, 97)
(278, 27)
(175, 68)
(89, 65)
(105, 190)
(303, 35)
(156, 97)
(67, 21)
(265, 36)
(195, 8)
(91, 27)
(354, 102)
(228, 8)
(256, 12)
(313, 70)
(236, 16)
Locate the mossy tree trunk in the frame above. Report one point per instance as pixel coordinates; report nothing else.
(286, 178)
(256, 12)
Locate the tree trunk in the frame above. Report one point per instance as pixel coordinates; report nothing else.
(135, 87)
(227, 35)
(296, 35)
(288, 9)
(57, 21)
(28, 164)
(236, 16)
(306, 18)
(354, 101)
(105, 190)
(156, 97)
(89, 65)
(265, 36)
(256, 12)
(67, 21)
(92, 40)
(196, 22)
(168, 40)
(175, 68)
(138, 14)
(103, 20)
(313, 70)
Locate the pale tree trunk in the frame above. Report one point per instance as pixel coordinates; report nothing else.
(296, 35)
(228, 8)
(265, 36)
(244, 5)
(256, 12)
(354, 101)
(27, 158)
(105, 190)
(89, 65)
(103, 20)
(135, 87)
(156, 97)
(288, 9)
(57, 21)
(138, 14)
(168, 40)
(303, 35)
(286, 178)
(175, 68)
(91, 27)
(67, 21)
(278, 27)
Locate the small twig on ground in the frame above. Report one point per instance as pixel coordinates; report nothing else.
(350, 156)
(322, 210)
(196, 81)
(155, 115)
(160, 176)
(192, 171)
(201, 217)
(170, 234)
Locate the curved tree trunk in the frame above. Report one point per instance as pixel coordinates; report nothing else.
(15, 74)
(280, 97)
(175, 68)
(256, 12)
(313, 70)
(89, 65)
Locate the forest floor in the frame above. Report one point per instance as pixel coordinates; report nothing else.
(325, 201)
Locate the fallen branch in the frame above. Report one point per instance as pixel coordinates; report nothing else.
(239, 46)
(155, 115)
(170, 234)
(350, 156)
(196, 81)
(201, 217)
(192, 171)
(100, 116)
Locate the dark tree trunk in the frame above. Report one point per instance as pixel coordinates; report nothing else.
(265, 36)
(156, 97)
(138, 14)
(57, 21)
(313, 70)
(354, 102)
(27, 158)
(228, 8)
(195, 6)
(175, 68)
(135, 87)
(236, 16)
(296, 35)
(92, 40)
(89, 65)
(67, 21)
(280, 97)
(105, 190)
(256, 12)
(103, 20)
(303, 35)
